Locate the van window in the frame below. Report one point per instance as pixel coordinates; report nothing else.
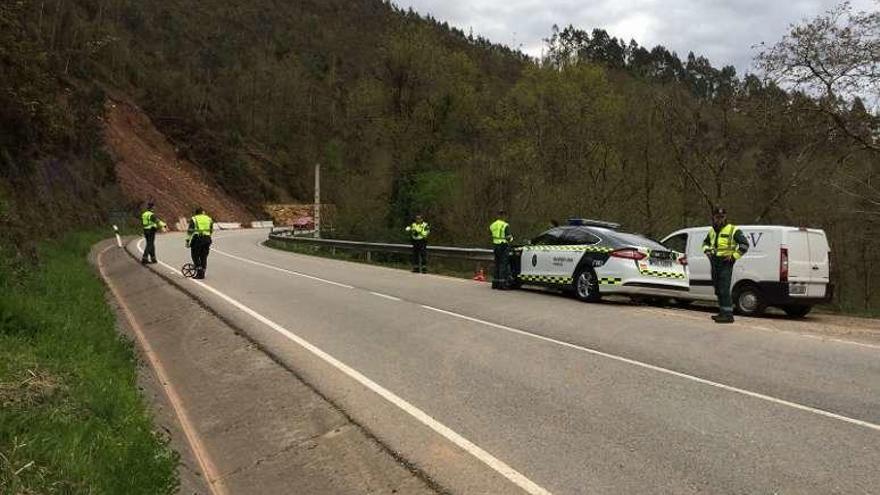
(677, 243)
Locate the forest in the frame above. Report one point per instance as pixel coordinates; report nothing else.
(409, 115)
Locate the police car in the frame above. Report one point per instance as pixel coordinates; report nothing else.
(592, 258)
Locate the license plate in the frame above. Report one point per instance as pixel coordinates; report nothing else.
(797, 290)
(662, 263)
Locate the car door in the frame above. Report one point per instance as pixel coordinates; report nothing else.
(699, 268)
(537, 258)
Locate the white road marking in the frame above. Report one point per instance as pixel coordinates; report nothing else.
(493, 462)
(729, 388)
(271, 267)
(386, 296)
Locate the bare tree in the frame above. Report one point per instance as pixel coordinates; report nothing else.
(834, 58)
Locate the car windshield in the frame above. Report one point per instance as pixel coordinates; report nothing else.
(637, 240)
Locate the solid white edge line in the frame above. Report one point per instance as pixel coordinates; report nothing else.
(729, 388)
(488, 459)
(386, 296)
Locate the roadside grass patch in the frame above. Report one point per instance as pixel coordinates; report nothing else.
(71, 417)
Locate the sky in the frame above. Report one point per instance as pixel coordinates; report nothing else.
(724, 31)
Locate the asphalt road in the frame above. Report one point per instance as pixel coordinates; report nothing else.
(500, 392)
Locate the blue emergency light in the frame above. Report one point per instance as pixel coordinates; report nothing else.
(593, 223)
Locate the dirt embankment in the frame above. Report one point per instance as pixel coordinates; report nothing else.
(148, 168)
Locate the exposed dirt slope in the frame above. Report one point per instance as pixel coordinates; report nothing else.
(147, 167)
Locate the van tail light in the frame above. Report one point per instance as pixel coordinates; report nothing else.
(783, 264)
(629, 253)
(683, 260)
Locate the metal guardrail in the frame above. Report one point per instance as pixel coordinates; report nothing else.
(461, 253)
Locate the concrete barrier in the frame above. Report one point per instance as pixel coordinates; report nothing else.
(227, 225)
(262, 224)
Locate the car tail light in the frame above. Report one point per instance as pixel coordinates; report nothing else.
(783, 264)
(683, 261)
(630, 254)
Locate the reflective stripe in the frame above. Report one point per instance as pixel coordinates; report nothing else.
(148, 220)
(588, 249)
(419, 231)
(722, 243)
(202, 225)
(499, 231)
(545, 279)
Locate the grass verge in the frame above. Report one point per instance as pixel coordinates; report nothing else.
(71, 417)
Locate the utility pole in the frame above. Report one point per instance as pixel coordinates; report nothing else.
(317, 200)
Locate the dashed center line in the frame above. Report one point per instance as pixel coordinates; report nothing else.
(386, 296)
(283, 270)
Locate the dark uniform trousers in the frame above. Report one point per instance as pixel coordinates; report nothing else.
(420, 255)
(150, 247)
(200, 246)
(501, 277)
(722, 275)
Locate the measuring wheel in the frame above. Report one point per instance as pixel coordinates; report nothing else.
(188, 270)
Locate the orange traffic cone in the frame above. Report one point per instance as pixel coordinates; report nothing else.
(480, 276)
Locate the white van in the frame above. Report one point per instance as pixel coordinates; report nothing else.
(787, 267)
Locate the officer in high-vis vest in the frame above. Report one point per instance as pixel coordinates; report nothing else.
(198, 240)
(151, 223)
(724, 245)
(501, 238)
(418, 234)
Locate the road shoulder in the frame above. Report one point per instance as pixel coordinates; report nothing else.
(253, 423)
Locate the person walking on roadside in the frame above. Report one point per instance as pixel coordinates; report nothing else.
(724, 245)
(198, 240)
(418, 233)
(501, 238)
(151, 223)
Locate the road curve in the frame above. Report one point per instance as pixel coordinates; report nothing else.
(539, 393)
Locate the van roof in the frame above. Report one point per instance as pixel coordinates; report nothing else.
(765, 227)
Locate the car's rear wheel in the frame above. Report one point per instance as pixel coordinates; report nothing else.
(748, 300)
(796, 310)
(586, 285)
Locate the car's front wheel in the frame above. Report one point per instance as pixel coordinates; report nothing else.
(586, 285)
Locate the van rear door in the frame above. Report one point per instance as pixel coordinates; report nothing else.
(807, 262)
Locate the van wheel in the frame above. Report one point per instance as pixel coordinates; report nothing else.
(586, 285)
(748, 300)
(796, 311)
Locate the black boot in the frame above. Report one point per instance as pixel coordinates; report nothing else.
(723, 318)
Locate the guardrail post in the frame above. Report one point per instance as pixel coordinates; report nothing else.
(369, 257)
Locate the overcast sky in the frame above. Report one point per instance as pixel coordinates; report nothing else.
(723, 31)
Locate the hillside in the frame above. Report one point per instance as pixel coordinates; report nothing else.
(147, 168)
